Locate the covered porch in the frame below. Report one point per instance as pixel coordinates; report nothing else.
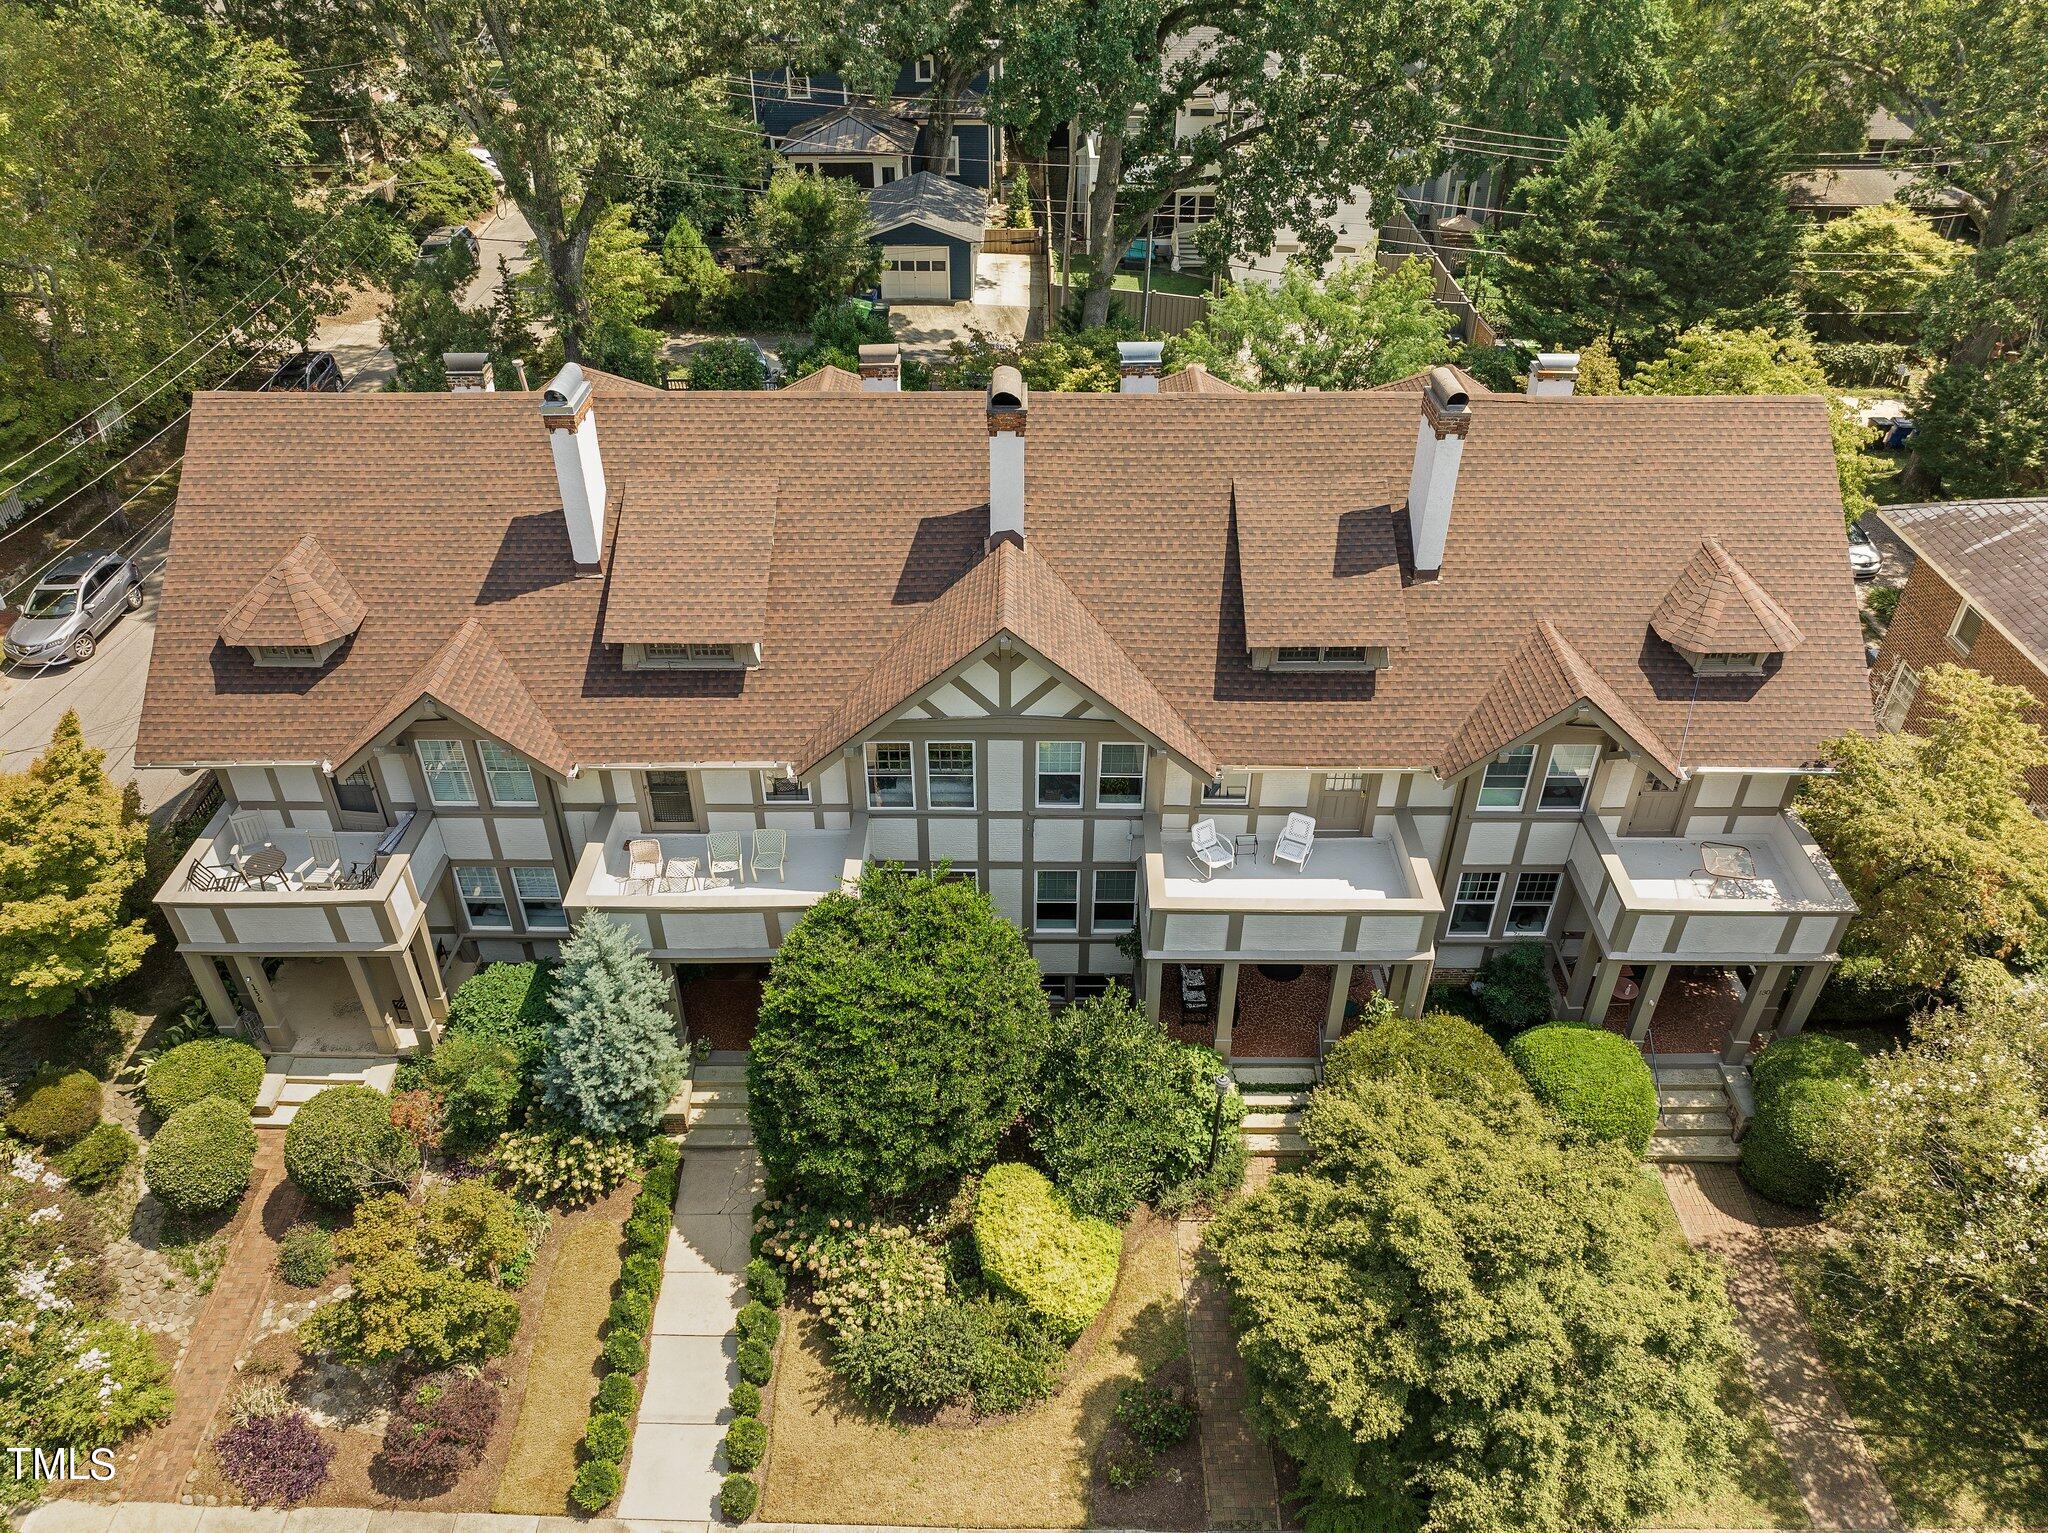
(345, 1005)
(1278, 1010)
(720, 1003)
(1727, 1010)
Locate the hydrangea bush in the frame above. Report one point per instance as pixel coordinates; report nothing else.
(562, 1165)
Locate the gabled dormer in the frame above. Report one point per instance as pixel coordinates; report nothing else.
(688, 584)
(298, 614)
(1721, 622)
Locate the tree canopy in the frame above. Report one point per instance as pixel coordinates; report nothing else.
(1931, 833)
(1983, 411)
(1862, 276)
(1355, 328)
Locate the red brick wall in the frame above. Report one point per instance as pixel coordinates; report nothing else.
(1919, 636)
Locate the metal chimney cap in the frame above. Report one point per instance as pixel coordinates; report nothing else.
(1446, 391)
(566, 393)
(884, 351)
(1006, 390)
(465, 361)
(1140, 353)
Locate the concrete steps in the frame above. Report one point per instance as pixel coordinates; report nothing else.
(292, 1080)
(713, 1110)
(1274, 1092)
(1696, 1112)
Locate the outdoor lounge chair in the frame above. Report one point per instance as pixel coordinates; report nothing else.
(643, 862)
(724, 857)
(1208, 851)
(247, 833)
(1296, 842)
(771, 847)
(323, 866)
(1194, 991)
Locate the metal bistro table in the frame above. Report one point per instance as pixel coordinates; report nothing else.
(264, 864)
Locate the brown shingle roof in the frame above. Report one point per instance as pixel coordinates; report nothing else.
(1012, 591)
(1196, 378)
(689, 564)
(443, 508)
(1315, 572)
(1544, 680)
(825, 380)
(1715, 608)
(1994, 551)
(469, 676)
(301, 599)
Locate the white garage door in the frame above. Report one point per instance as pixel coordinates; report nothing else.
(916, 274)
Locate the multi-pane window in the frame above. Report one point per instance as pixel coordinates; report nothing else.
(949, 774)
(510, 778)
(1228, 788)
(1472, 910)
(669, 800)
(483, 898)
(777, 789)
(1059, 771)
(797, 86)
(1116, 899)
(1120, 775)
(1567, 776)
(357, 792)
(890, 784)
(1058, 905)
(447, 772)
(1962, 633)
(923, 70)
(1529, 910)
(540, 899)
(1507, 776)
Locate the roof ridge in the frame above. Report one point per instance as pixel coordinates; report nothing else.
(470, 674)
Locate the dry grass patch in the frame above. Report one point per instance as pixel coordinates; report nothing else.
(831, 1460)
(562, 1373)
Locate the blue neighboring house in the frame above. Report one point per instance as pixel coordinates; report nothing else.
(815, 122)
(929, 232)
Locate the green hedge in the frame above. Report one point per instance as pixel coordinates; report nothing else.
(59, 1107)
(1451, 1056)
(1031, 1243)
(99, 1158)
(746, 1443)
(1595, 1080)
(205, 1067)
(506, 1003)
(1803, 1086)
(199, 1161)
(341, 1143)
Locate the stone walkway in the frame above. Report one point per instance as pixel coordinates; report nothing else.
(206, 1372)
(678, 1460)
(1821, 1446)
(1238, 1485)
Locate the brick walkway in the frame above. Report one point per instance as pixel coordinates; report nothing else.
(1238, 1485)
(206, 1372)
(1821, 1446)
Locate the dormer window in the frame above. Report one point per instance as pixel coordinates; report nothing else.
(1323, 657)
(1721, 622)
(303, 656)
(691, 657)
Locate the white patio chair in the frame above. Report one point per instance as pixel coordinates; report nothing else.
(643, 863)
(322, 869)
(723, 856)
(1208, 851)
(1296, 841)
(771, 849)
(247, 833)
(678, 876)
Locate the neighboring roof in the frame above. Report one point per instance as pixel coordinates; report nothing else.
(1715, 608)
(1013, 591)
(852, 129)
(826, 380)
(690, 565)
(1848, 187)
(603, 383)
(1317, 573)
(1415, 383)
(1195, 378)
(470, 677)
(443, 509)
(1545, 680)
(1994, 551)
(301, 599)
(931, 202)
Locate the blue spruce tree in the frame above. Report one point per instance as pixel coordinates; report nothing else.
(612, 1062)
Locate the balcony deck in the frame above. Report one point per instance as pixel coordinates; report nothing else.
(1342, 871)
(817, 864)
(219, 866)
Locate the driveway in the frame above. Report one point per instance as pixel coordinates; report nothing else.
(105, 692)
(1000, 310)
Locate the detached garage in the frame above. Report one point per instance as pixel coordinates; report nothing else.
(929, 232)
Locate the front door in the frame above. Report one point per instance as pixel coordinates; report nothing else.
(1338, 803)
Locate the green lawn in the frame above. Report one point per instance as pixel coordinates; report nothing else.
(1164, 279)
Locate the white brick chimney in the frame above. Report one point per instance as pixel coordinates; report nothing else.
(1439, 449)
(565, 409)
(1138, 365)
(1552, 374)
(881, 368)
(1008, 402)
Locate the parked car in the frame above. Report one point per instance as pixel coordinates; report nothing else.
(1864, 559)
(446, 238)
(310, 372)
(78, 599)
(489, 161)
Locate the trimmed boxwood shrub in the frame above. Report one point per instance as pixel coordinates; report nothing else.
(1803, 1085)
(199, 1161)
(616, 1392)
(757, 1322)
(57, 1108)
(624, 1353)
(631, 1312)
(99, 1158)
(342, 1143)
(1031, 1243)
(607, 1435)
(1595, 1080)
(1513, 990)
(205, 1067)
(305, 1256)
(640, 1273)
(745, 1399)
(597, 1484)
(746, 1442)
(766, 1283)
(756, 1362)
(1447, 1055)
(738, 1497)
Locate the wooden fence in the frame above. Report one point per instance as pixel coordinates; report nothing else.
(1022, 242)
(1402, 242)
(1167, 314)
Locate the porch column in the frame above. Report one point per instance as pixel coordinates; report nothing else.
(373, 1009)
(1416, 997)
(1226, 1009)
(1605, 977)
(429, 968)
(1799, 1003)
(1340, 992)
(213, 992)
(415, 995)
(249, 975)
(674, 991)
(1155, 986)
(1646, 1001)
(1582, 976)
(1754, 1004)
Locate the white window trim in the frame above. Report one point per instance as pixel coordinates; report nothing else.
(524, 899)
(796, 86)
(1492, 904)
(463, 897)
(1955, 627)
(1102, 772)
(1095, 922)
(1223, 795)
(1549, 906)
(1039, 774)
(973, 774)
(427, 774)
(1585, 787)
(1479, 803)
(953, 155)
(1038, 878)
(772, 800)
(516, 761)
(909, 771)
(924, 70)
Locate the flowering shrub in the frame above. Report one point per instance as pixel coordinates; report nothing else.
(561, 1165)
(275, 1460)
(440, 1428)
(859, 1273)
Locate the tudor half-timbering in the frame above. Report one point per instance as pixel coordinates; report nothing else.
(473, 666)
